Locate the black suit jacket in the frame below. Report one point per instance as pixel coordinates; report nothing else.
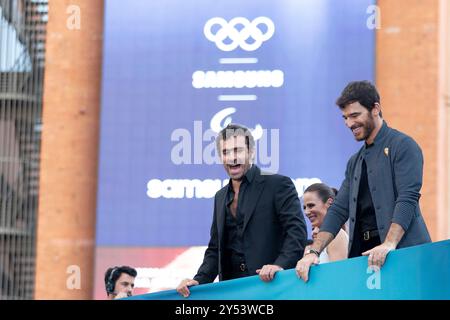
(274, 229)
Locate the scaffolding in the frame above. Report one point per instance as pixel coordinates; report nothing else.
(22, 57)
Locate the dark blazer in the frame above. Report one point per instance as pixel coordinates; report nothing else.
(394, 173)
(274, 230)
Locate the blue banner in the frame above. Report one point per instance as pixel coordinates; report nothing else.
(421, 272)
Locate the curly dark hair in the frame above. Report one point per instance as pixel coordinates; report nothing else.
(363, 92)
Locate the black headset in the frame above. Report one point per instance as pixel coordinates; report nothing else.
(110, 284)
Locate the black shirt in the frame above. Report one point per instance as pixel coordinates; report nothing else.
(365, 212)
(234, 225)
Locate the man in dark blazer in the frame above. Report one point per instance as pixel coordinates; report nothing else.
(381, 191)
(258, 226)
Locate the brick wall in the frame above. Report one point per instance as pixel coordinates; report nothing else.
(408, 75)
(66, 219)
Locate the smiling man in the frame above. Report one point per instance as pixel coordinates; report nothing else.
(381, 191)
(258, 226)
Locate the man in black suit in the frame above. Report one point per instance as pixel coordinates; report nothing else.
(258, 226)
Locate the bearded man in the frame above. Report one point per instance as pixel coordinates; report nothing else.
(380, 194)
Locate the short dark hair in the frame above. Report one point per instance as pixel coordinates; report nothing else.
(234, 130)
(363, 92)
(112, 274)
(324, 191)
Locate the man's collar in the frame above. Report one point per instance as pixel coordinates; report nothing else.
(250, 174)
(380, 135)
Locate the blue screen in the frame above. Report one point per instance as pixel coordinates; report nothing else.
(176, 71)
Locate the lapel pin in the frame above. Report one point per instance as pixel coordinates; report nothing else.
(386, 151)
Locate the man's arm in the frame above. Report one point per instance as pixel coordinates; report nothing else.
(377, 256)
(339, 211)
(408, 172)
(287, 205)
(209, 269)
(322, 240)
(394, 235)
(336, 216)
(289, 212)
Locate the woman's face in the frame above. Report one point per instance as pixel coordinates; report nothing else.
(314, 208)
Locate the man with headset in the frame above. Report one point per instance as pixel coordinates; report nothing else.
(119, 282)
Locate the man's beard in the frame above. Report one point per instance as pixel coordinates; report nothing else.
(368, 128)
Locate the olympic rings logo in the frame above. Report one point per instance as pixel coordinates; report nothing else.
(239, 37)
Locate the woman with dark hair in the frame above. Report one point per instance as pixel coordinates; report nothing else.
(317, 198)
